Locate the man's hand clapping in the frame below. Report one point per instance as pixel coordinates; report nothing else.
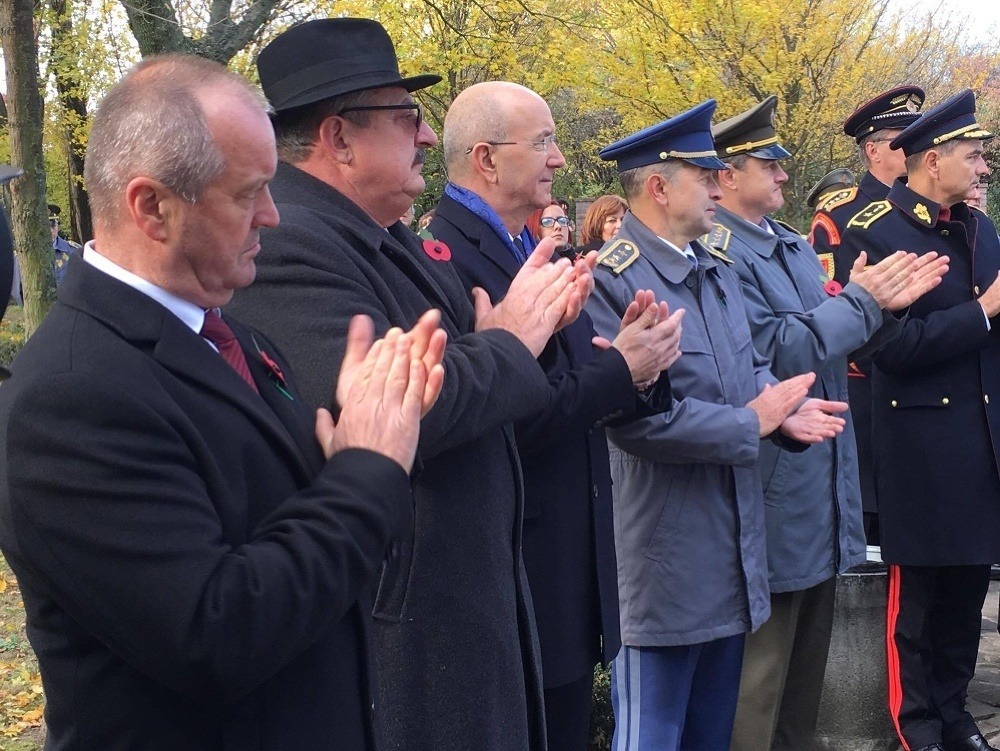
(649, 338)
(815, 421)
(384, 389)
(775, 403)
(542, 298)
(898, 280)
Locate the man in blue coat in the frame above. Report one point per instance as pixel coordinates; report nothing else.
(689, 517)
(812, 502)
(936, 425)
(568, 535)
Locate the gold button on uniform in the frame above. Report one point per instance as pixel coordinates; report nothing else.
(894, 403)
(976, 289)
(945, 401)
(944, 233)
(986, 398)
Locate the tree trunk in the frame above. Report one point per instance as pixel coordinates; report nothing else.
(64, 66)
(28, 211)
(154, 26)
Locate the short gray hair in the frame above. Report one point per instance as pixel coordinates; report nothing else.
(296, 131)
(914, 160)
(737, 162)
(878, 135)
(634, 180)
(151, 124)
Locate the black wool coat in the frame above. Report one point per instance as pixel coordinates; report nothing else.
(456, 650)
(195, 575)
(936, 389)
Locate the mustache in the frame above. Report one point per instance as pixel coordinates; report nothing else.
(420, 158)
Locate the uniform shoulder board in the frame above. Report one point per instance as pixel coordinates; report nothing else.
(619, 256)
(867, 216)
(716, 253)
(718, 238)
(74, 245)
(838, 198)
(787, 226)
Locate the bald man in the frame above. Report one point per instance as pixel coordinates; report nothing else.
(501, 153)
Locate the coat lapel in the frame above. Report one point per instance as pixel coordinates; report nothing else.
(152, 328)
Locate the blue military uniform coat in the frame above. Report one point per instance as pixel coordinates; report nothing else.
(812, 498)
(936, 390)
(689, 515)
(825, 236)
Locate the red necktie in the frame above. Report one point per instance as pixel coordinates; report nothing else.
(218, 333)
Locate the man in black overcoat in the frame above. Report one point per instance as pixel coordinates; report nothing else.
(195, 556)
(456, 649)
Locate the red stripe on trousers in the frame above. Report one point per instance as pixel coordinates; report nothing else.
(892, 654)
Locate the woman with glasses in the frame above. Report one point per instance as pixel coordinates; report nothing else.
(552, 222)
(602, 221)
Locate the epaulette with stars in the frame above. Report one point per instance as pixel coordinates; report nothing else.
(869, 214)
(718, 238)
(838, 198)
(619, 256)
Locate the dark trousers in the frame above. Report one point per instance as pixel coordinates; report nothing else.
(676, 698)
(567, 715)
(783, 667)
(933, 622)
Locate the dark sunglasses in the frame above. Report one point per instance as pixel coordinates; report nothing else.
(375, 107)
(550, 221)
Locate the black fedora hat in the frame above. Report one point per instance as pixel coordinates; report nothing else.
(326, 58)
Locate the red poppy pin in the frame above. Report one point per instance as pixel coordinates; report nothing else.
(832, 288)
(437, 250)
(273, 370)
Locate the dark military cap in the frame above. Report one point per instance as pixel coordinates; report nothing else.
(837, 179)
(954, 118)
(686, 136)
(325, 58)
(894, 109)
(751, 132)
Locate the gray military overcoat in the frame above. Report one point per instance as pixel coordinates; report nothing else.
(689, 512)
(812, 499)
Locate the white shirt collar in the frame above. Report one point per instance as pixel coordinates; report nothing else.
(687, 252)
(190, 314)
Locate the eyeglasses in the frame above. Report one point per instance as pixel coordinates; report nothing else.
(551, 221)
(542, 145)
(376, 107)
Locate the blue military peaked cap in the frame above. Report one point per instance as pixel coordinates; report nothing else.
(896, 108)
(686, 136)
(751, 132)
(954, 118)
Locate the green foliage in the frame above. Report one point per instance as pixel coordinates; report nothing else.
(11, 335)
(602, 718)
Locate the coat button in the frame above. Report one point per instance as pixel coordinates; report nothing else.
(945, 401)
(986, 398)
(894, 403)
(944, 233)
(976, 289)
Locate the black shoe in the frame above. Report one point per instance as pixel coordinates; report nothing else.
(972, 743)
